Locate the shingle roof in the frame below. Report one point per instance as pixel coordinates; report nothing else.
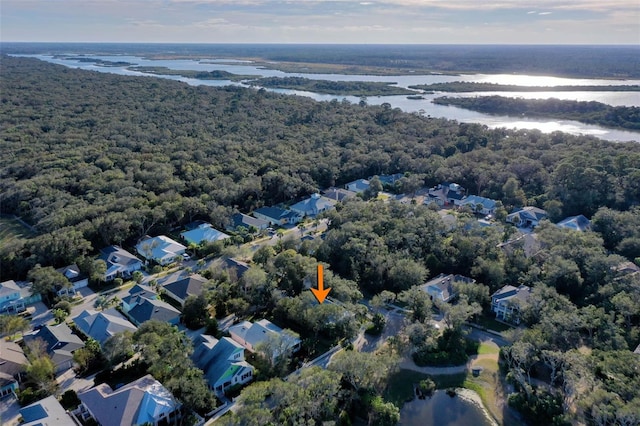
(193, 285)
(474, 200)
(102, 325)
(212, 356)
(12, 359)
(8, 287)
(313, 205)
(338, 194)
(257, 332)
(240, 219)
(443, 284)
(153, 310)
(57, 337)
(138, 402)
(239, 266)
(510, 292)
(71, 272)
(275, 213)
(160, 248)
(359, 185)
(578, 223)
(117, 259)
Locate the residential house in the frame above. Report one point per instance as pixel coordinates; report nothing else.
(11, 300)
(203, 233)
(222, 362)
(47, 411)
(13, 364)
(390, 180)
(77, 280)
(577, 223)
(528, 243)
(144, 401)
(237, 266)
(479, 204)
(120, 263)
(277, 216)
(445, 194)
(527, 217)
(313, 206)
(161, 249)
(240, 219)
(507, 302)
(637, 350)
(101, 325)
(135, 293)
(441, 287)
(251, 335)
(357, 186)
(179, 290)
(143, 309)
(59, 343)
(338, 194)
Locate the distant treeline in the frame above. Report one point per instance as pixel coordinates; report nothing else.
(568, 61)
(619, 117)
(468, 86)
(200, 75)
(347, 88)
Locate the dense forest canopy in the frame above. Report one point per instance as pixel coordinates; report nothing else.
(92, 159)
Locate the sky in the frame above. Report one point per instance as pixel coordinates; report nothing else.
(323, 21)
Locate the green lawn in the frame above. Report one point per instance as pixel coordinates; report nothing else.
(486, 348)
(12, 231)
(491, 324)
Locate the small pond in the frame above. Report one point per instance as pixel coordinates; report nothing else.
(443, 410)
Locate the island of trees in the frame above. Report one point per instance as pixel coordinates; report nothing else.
(200, 75)
(347, 88)
(619, 117)
(470, 86)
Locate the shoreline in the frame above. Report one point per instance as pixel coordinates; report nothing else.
(473, 397)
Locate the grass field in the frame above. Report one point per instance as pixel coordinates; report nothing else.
(12, 231)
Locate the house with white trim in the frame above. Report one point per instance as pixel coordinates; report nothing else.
(507, 302)
(251, 335)
(120, 263)
(222, 362)
(161, 249)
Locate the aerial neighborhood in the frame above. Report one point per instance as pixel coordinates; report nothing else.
(207, 292)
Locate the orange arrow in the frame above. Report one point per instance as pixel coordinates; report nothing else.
(320, 292)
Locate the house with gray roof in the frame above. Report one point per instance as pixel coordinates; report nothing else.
(338, 194)
(144, 309)
(313, 206)
(46, 412)
(527, 217)
(507, 302)
(479, 204)
(251, 335)
(441, 287)
(100, 325)
(277, 216)
(237, 266)
(161, 249)
(222, 362)
(445, 194)
(357, 186)
(179, 290)
(577, 223)
(59, 342)
(136, 293)
(120, 263)
(75, 277)
(13, 364)
(240, 219)
(144, 401)
(203, 233)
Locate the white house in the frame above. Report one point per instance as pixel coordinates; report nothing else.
(251, 335)
(313, 206)
(120, 263)
(160, 249)
(507, 301)
(441, 287)
(222, 362)
(144, 401)
(203, 233)
(77, 280)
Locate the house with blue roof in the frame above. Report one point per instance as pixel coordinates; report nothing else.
(277, 216)
(313, 206)
(240, 219)
(180, 289)
(59, 343)
(222, 362)
(577, 223)
(479, 204)
(203, 233)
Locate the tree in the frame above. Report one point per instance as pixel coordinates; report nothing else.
(12, 324)
(418, 302)
(455, 315)
(88, 357)
(194, 312)
(45, 281)
(362, 370)
(278, 347)
(118, 347)
(383, 413)
(59, 315)
(40, 371)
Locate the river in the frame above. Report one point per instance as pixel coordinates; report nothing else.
(421, 106)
